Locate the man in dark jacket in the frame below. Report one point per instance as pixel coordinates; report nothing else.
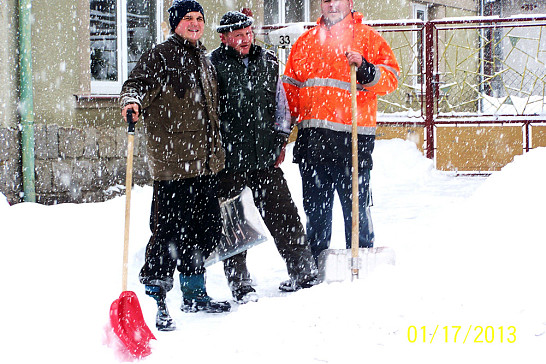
(174, 88)
(249, 85)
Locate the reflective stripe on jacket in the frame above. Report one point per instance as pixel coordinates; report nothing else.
(317, 75)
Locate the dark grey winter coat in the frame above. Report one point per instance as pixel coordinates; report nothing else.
(175, 86)
(247, 108)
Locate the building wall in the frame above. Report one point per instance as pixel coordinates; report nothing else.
(10, 150)
(466, 5)
(56, 59)
(8, 63)
(80, 140)
(525, 7)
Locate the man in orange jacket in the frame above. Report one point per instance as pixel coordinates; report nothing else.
(317, 83)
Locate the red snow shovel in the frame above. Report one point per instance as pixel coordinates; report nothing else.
(125, 314)
(337, 265)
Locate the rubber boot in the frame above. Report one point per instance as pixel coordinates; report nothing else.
(163, 321)
(195, 297)
(239, 279)
(302, 269)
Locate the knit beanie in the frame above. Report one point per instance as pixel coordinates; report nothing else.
(233, 20)
(180, 8)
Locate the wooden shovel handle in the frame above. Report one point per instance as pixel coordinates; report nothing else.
(128, 186)
(354, 140)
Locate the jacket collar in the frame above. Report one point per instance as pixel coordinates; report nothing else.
(353, 17)
(254, 53)
(186, 43)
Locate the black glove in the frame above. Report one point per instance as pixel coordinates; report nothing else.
(366, 72)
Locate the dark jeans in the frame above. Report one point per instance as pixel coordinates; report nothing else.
(320, 182)
(280, 214)
(186, 227)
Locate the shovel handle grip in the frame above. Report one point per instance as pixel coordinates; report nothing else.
(130, 122)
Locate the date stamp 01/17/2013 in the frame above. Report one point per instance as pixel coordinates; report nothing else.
(454, 334)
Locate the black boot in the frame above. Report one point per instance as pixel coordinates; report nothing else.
(293, 285)
(245, 294)
(163, 321)
(303, 270)
(196, 297)
(209, 306)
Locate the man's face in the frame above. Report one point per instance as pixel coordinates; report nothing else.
(334, 11)
(240, 39)
(191, 27)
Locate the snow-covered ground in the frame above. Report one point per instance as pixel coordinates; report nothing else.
(469, 267)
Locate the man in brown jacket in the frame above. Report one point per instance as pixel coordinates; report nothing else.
(174, 88)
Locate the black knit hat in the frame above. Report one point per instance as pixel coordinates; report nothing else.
(233, 20)
(180, 8)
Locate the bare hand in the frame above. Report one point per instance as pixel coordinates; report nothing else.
(354, 58)
(280, 158)
(135, 109)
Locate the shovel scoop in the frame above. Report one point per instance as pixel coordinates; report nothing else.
(336, 265)
(242, 227)
(129, 326)
(126, 319)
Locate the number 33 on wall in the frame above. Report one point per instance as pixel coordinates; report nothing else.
(285, 37)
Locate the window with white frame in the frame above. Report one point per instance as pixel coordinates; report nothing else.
(282, 12)
(286, 11)
(120, 31)
(420, 12)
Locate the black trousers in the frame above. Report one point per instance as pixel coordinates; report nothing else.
(186, 227)
(280, 214)
(320, 182)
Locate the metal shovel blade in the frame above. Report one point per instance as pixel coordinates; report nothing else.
(242, 227)
(335, 264)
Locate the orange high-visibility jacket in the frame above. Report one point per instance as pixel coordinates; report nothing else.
(317, 75)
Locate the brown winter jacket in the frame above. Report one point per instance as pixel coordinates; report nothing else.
(175, 86)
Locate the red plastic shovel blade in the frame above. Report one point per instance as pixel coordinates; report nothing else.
(129, 325)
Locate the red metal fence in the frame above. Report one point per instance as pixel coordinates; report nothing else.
(465, 71)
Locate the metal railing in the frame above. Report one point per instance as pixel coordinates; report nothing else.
(464, 71)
